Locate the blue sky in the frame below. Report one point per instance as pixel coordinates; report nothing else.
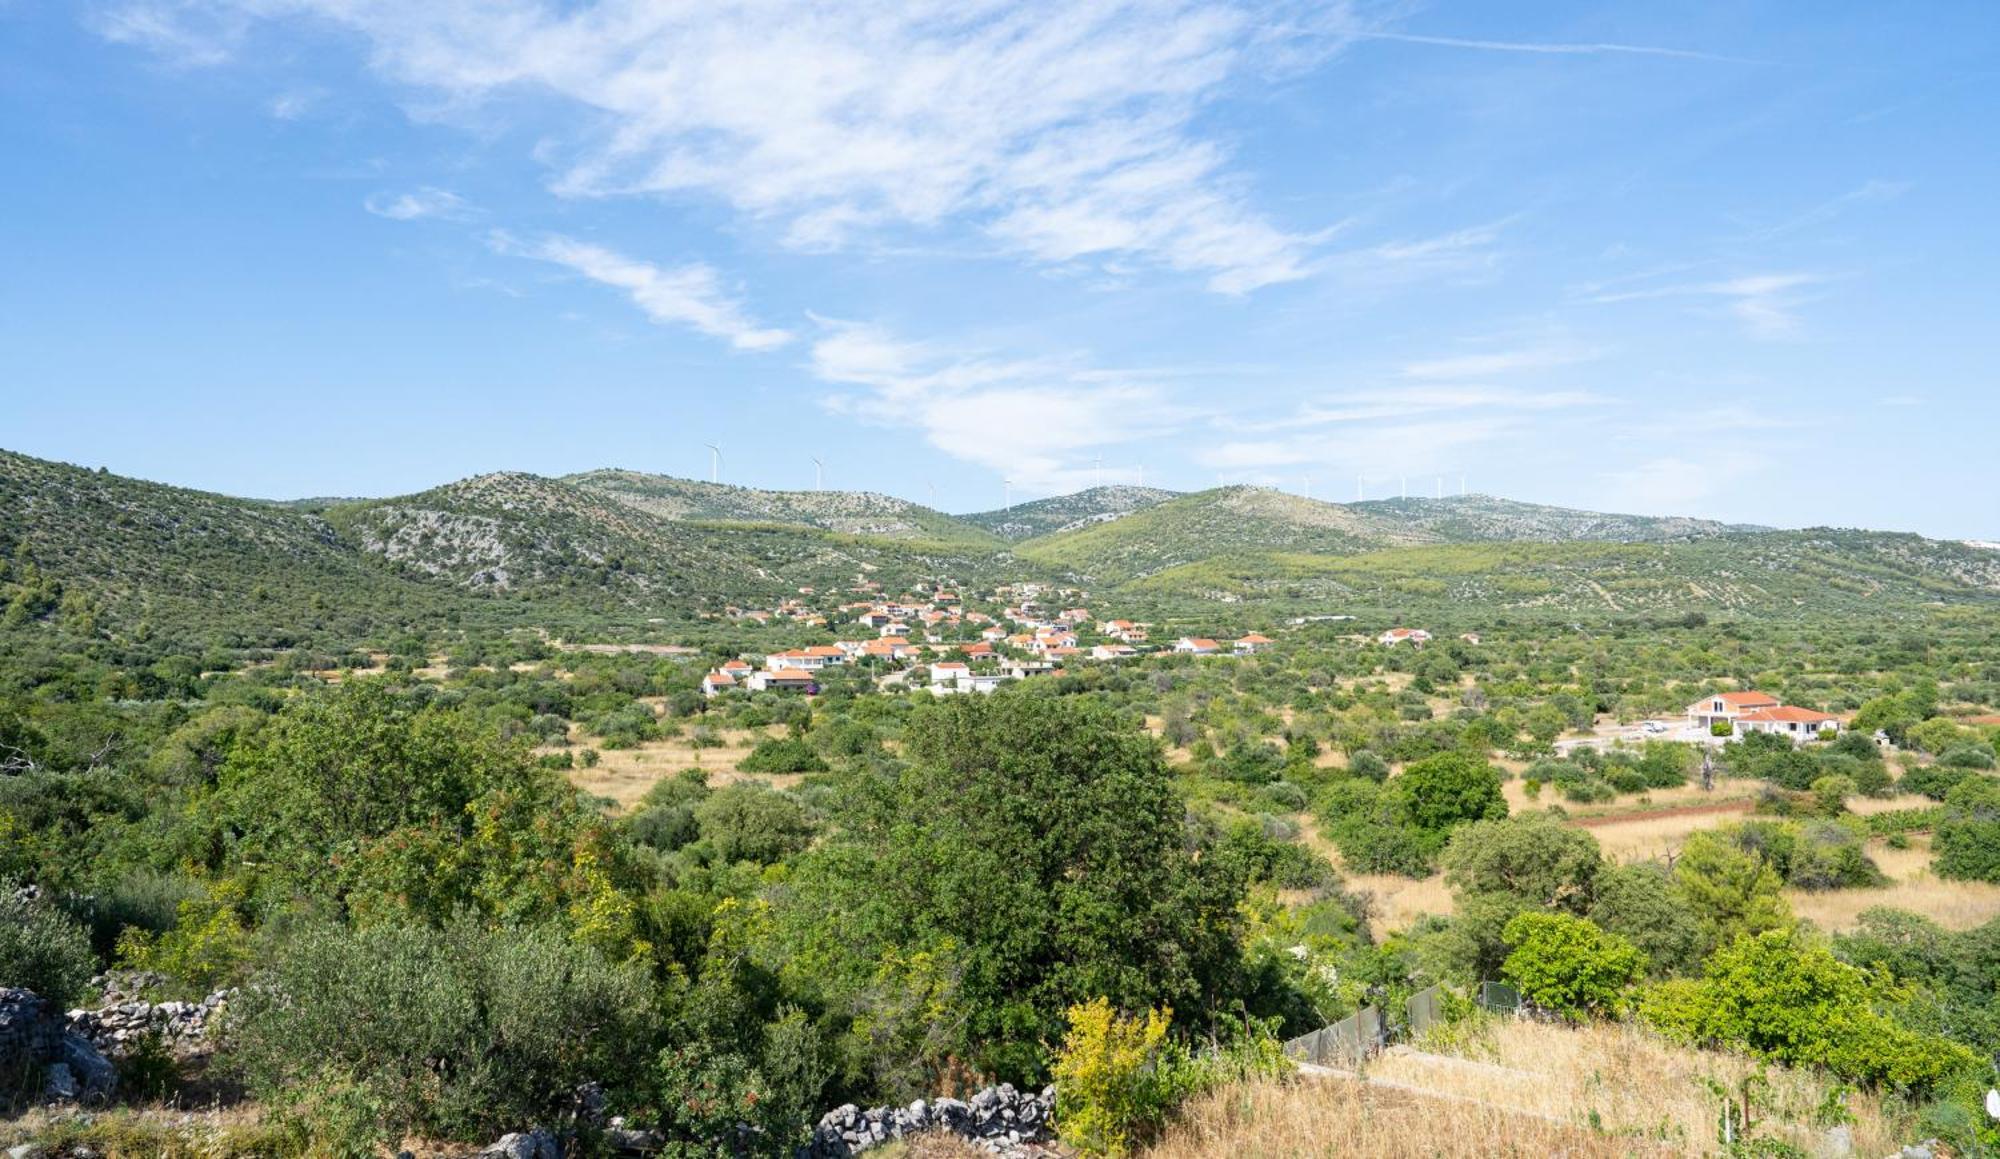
(1732, 260)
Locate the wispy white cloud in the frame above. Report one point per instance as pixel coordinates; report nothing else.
(1041, 423)
(1064, 132)
(1679, 484)
(690, 295)
(1500, 362)
(1393, 430)
(1867, 193)
(294, 103)
(421, 203)
(1543, 48)
(186, 33)
(1766, 304)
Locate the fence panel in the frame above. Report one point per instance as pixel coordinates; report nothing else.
(1499, 997)
(1426, 1008)
(1345, 1043)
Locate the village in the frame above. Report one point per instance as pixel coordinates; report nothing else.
(935, 638)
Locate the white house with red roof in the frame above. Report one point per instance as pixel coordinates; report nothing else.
(716, 683)
(1788, 720)
(1251, 644)
(1197, 646)
(1727, 707)
(1404, 635)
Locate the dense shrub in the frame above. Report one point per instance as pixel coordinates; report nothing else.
(1967, 843)
(1783, 995)
(1640, 903)
(748, 822)
(1568, 965)
(43, 950)
(458, 1033)
(782, 755)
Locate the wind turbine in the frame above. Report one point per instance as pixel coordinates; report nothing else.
(1360, 488)
(1007, 490)
(1100, 472)
(1406, 486)
(819, 475)
(1461, 482)
(714, 462)
(1309, 486)
(1440, 493)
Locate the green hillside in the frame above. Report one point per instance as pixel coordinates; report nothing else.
(1068, 512)
(1779, 573)
(100, 555)
(1228, 521)
(846, 512)
(1463, 518)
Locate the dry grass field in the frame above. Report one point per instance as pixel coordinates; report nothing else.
(1956, 905)
(1519, 1089)
(1332, 1117)
(624, 775)
(1632, 1084)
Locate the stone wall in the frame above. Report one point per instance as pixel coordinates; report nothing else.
(998, 1119)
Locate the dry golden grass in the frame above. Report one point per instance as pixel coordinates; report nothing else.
(1957, 905)
(1634, 1085)
(1656, 833)
(624, 775)
(1330, 1117)
(1398, 901)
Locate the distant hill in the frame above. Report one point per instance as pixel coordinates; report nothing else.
(847, 512)
(1205, 524)
(1780, 573)
(1068, 512)
(1463, 518)
(98, 559)
(132, 559)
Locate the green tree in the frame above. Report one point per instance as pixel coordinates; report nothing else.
(748, 822)
(1730, 892)
(1639, 902)
(1967, 843)
(1449, 789)
(1568, 965)
(1784, 996)
(1041, 838)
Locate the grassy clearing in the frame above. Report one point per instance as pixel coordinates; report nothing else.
(1335, 1117)
(624, 775)
(1956, 905)
(1628, 1084)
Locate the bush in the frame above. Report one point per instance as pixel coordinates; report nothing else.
(749, 822)
(1118, 1079)
(43, 950)
(1783, 996)
(1967, 844)
(1570, 966)
(1449, 789)
(782, 755)
(1968, 755)
(1639, 903)
(459, 1033)
(1113, 1078)
(1933, 781)
(1364, 763)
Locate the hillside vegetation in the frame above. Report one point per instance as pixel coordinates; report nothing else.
(1460, 518)
(1222, 522)
(847, 512)
(1068, 512)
